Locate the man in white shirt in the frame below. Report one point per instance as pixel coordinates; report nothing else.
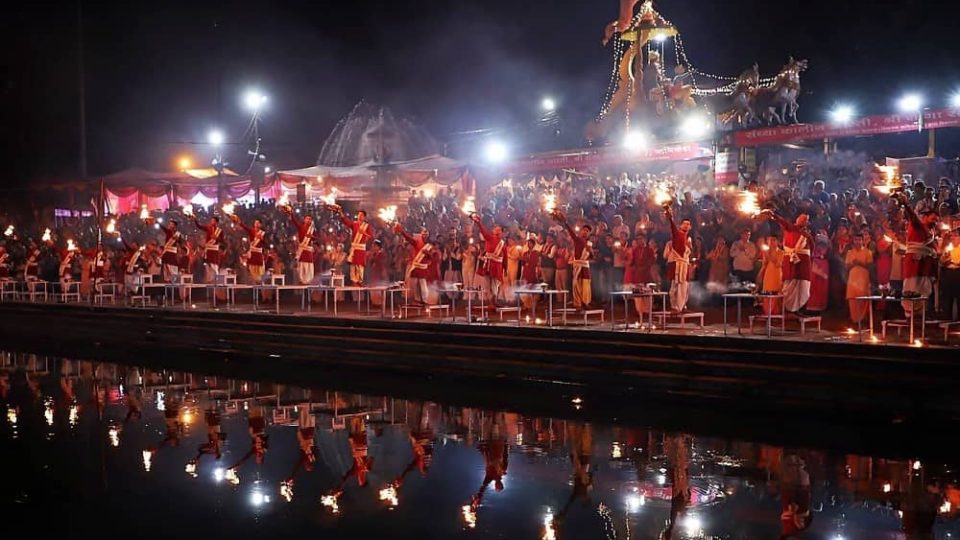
(744, 254)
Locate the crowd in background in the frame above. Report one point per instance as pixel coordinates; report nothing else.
(859, 235)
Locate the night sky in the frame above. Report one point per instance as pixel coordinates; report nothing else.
(159, 75)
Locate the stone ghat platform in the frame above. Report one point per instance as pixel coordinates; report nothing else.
(742, 374)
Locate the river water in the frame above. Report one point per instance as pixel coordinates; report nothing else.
(93, 448)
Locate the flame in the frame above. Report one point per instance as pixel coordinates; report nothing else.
(945, 507)
(284, 200)
(887, 488)
(470, 206)
(748, 203)
(9, 232)
(144, 213)
(187, 417)
(231, 476)
(46, 235)
(917, 343)
(12, 416)
(469, 516)
(891, 181)
(388, 214)
(428, 193)
(191, 468)
(331, 198)
(874, 339)
(147, 460)
(330, 501)
(389, 495)
(112, 226)
(661, 196)
(765, 247)
(851, 331)
(549, 532)
(617, 451)
(188, 210)
(114, 434)
(887, 238)
(950, 246)
(549, 202)
(74, 415)
(70, 245)
(229, 208)
(286, 490)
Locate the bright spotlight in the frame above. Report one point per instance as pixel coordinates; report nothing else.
(548, 104)
(911, 103)
(634, 141)
(496, 152)
(660, 37)
(634, 503)
(185, 163)
(695, 126)
(254, 100)
(842, 114)
(955, 100)
(218, 474)
(215, 137)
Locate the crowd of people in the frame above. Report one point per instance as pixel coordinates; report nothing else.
(817, 247)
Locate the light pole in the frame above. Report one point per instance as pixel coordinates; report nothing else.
(913, 103)
(215, 137)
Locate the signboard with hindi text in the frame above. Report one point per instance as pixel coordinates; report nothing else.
(868, 125)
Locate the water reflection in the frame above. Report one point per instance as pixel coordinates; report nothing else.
(266, 458)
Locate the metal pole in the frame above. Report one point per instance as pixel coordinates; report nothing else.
(82, 92)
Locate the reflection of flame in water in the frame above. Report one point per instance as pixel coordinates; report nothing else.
(286, 490)
(114, 434)
(191, 468)
(389, 495)
(469, 516)
(74, 415)
(231, 476)
(218, 474)
(48, 411)
(147, 460)
(617, 451)
(161, 406)
(12, 416)
(330, 501)
(187, 417)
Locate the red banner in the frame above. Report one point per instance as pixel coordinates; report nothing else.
(597, 157)
(869, 125)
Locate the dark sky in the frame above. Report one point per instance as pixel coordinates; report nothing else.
(160, 74)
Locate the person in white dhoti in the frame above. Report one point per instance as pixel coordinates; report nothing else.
(677, 253)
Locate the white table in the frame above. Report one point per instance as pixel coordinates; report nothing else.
(170, 290)
(549, 293)
(9, 287)
(277, 289)
(913, 313)
(739, 297)
(469, 294)
(626, 296)
(230, 289)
